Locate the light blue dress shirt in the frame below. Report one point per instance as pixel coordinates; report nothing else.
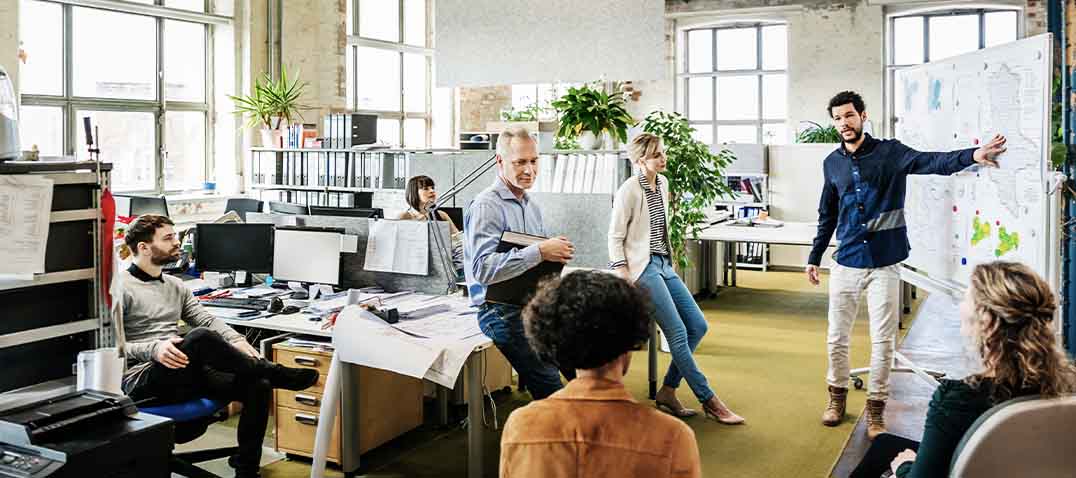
(492, 212)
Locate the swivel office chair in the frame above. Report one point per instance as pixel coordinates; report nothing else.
(192, 420)
(1028, 436)
(242, 206)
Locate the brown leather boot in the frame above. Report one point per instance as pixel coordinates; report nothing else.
(838, 401)
(875, 418)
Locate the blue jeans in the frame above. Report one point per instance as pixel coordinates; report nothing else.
(680, 320)
(504, 325)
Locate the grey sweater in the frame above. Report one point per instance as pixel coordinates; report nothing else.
(152, 310)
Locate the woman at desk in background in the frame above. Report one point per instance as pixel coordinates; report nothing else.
(1007, 311)
(639, 252)
(420, 195)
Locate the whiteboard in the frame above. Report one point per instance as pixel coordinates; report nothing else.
(980, 214)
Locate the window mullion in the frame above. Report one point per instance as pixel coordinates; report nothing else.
(161, 146)
(70, 122)
(758, 64)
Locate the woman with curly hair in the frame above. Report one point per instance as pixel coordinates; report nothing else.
(639, 252)
(591, 321)
(1008, 311)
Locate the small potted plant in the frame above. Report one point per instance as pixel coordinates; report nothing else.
(587, 112)
(272, 105)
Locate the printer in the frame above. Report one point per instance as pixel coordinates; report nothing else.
(81, 434)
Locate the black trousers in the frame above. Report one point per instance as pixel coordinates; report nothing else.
(880, 455)
(219, 371)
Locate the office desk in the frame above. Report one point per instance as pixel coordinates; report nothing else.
(791, 234)
(342, 379)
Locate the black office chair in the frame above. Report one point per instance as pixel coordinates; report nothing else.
(288, 208)
(242, 206)
(140, 205)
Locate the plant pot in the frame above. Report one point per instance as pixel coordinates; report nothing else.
(588, 140)
(271, 138)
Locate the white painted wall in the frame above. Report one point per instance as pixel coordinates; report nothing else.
(833, 49)
(795, 185)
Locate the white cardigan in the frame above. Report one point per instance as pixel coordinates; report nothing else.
(629, 228)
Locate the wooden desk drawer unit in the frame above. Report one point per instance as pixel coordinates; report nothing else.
(383, 406)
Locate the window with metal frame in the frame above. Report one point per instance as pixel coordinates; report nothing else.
(142, 71)
(734, 83)
(390, 73)
(923, 37)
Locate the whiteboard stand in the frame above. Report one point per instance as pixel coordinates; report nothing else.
(930, 376)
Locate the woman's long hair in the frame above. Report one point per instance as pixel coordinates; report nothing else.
(1014, 309)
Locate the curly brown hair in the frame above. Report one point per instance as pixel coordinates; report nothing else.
(1015, 308)
(586, 319)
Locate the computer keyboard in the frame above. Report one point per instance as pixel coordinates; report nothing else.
(237, 303)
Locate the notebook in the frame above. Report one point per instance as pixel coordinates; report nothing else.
(518, 290)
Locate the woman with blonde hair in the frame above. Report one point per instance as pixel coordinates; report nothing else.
(1008, 312)
(639, 252)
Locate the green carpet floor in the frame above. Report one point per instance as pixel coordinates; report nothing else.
(765, 355)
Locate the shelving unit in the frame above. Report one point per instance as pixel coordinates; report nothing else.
(326, 177)
(749, 255)
(40, 334)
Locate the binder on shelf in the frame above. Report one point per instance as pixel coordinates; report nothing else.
(518, 290)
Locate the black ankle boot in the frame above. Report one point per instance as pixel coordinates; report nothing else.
(241, 471)
(290, 378)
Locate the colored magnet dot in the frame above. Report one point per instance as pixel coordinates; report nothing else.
(998, 223)
(954, 208)
(963, 261)
(976, 212)
(976, 140)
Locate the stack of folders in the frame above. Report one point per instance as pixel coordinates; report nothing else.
(518, 290)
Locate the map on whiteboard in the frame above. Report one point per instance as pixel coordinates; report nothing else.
(981, 214)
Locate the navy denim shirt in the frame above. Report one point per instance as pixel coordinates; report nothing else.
(863, 200)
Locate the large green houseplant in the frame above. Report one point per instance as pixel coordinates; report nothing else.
(696, 178)
(816, 133)
(273, 103)
(589, 109)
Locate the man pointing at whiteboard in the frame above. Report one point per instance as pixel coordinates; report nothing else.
(863, 200)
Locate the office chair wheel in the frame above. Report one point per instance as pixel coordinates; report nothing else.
(857, 382)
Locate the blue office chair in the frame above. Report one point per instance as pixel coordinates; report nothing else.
(192, 419)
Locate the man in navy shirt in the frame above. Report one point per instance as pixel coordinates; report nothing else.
(863, 201)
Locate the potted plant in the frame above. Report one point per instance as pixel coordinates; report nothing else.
(816, 133)
(696, 178)
(273, 104)
(588, 112)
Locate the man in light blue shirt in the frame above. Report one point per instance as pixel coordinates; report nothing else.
(505, 206)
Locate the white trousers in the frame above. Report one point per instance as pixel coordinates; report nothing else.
(846, 286)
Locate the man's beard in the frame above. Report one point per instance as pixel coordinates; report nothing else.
(160, 257)
(858, 132)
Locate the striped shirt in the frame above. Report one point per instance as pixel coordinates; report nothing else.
(659, 243)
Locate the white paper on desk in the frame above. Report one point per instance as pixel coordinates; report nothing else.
(398, 246)
(449, 364)
(25, 206)
(360, 337)
(445, 326)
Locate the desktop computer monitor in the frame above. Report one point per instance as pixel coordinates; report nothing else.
(307, 255)
(234, 247)
(288, 208)
(455, 214)
(374, 212)
(139, 205)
